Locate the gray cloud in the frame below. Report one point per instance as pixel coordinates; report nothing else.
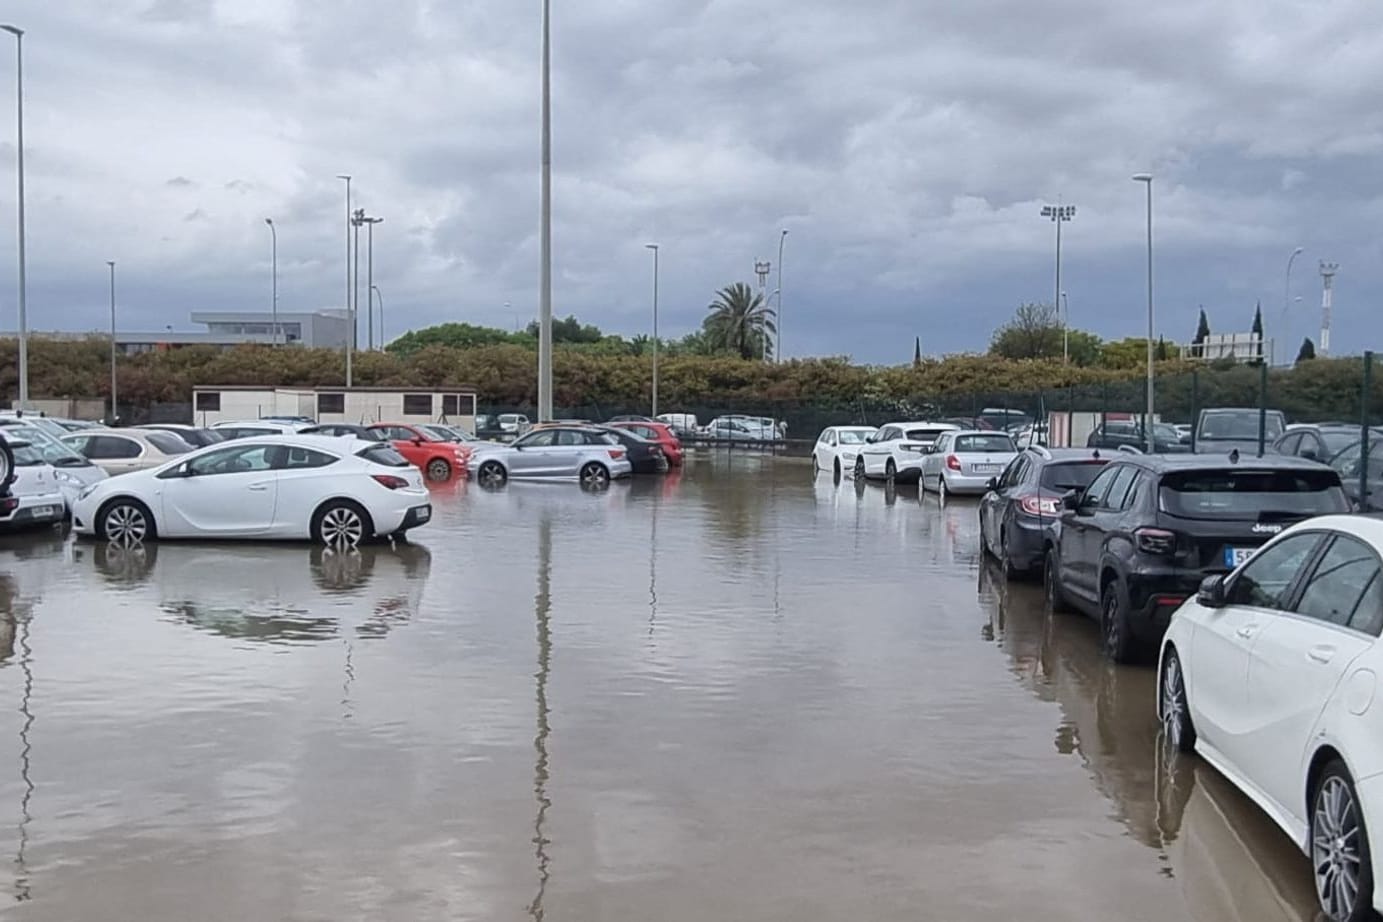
(907, 145)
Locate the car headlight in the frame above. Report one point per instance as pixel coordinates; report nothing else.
(64, 477)
(87, 491)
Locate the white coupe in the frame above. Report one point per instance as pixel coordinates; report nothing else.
(1271, 673)
(838, 446)
(337, 491)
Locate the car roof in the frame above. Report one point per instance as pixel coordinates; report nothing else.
(1189, 462)
(925, 423)
(988, 433)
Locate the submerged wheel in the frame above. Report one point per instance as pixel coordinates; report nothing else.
(125, 521)
(1118, 638)
(836, 468)
(341, 522)
(1056, 599)
(492, 474)
(438, 470)
(859, 468)
(890, 469)
(941, 490)
(1340, 855)
(816, 465)
(1172, 706)
(595, 474)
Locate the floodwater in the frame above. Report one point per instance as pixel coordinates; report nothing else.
(735, 693)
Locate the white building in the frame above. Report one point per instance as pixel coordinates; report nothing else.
(356, 405)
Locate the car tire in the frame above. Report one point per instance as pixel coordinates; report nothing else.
(1172, 705)
(816, 465)
(6, 467)
(594, 475)
(890, 470)
(1336, 818)
(125, 521)
(341, 523)
(836, 469)
(941, 492)
(1005, 561)
(859, 468)
(438, 470)
(1051, 582)
(985, 550)
(1116, 636)
(491, 475)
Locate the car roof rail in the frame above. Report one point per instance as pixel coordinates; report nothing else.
(1129, 449)
(1041, 451)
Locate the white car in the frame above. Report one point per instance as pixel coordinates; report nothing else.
(838, 446)
(35, 495)
(73, 471)
(245, 428)
(897, 449)
(593, 456)
(1271, 674)
(967, 461)
(337, 491)
(119, 451)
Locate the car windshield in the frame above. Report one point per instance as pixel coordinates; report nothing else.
(1169, 432)
(1338, 440)
(26, 455)
(1251, 494)
(924, 435)
(984, 443)
(1064, 476)
(168, 443)
(1238, 424)
(854, 436)
(54, 452)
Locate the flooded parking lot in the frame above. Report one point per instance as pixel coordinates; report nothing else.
(737, 692)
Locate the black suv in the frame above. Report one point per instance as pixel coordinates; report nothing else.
(1019, 515)
(1137, 542)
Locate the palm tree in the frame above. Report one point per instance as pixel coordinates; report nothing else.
(740, 321)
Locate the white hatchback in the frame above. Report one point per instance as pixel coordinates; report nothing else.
(897, 449)
(335, 491)
(1272, 674)
(838, 446)
(35, 495)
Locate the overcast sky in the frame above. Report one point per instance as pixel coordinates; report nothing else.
(907, 145)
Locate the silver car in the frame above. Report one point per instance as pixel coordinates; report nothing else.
(593, 456)
(966, 461)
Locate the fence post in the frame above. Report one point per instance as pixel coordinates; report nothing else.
(1195, 406)
(1364, 504)
(1262, 406)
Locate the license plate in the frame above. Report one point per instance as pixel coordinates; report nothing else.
(424, 513)
(985, 468)
(41, 511)
(1237, 555)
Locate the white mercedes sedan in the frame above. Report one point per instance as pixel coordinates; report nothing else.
(1272, 674)
(336, 491)
(838, 446)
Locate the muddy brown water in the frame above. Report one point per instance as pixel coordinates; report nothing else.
(736, 693)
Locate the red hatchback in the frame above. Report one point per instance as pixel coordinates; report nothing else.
(655, 432)
(439, 461)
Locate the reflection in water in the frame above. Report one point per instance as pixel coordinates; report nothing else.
(542, 604)
(653, 567)
(22, 891)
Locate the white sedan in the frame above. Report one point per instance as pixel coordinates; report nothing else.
(967, 461)
(1272, 674)
(337, 491)
(838, 446)
(897, 449)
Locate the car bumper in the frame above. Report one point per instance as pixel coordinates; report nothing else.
(968, 483)
(1153, 597)
(1028, 539)
(400, 511)
(621, 468)
(908, 468)
(32, 510)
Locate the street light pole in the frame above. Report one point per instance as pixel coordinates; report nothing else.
(1059, 215)
(114, 398)
(274, 276)
(782, 238)
(356, 220)
(1287, 287)
(1147, 179)
(370, 275)
(374, 289)
(350, 338)
(18, 34)
(654, 248)
(545, 230)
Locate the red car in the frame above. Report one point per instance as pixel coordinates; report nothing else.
(655, 432)
(438, 460)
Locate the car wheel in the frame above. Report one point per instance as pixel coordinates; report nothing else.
(6, 467)
(340, 522)
(890, 469)
(859, 468)
(1051, 581)
(125, 521)
(836, 468)
(941, 491)
(1340, 853)
(491, 475)
(985, 549)
(1005, 561)
(1114, 626)
(816, 465)
(1172, 705)
(438, 470)
(594, 474)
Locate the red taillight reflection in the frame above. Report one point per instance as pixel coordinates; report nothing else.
(389, 481)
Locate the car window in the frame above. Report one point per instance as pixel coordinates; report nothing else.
(1119, 487)
(1238, 425)
(113, 447)
(1099, 486)
(983, 443)
(168, 443)
(1063, 476)
(1291, 444)
(1141, 486)
(384, 454)
(1263, 581)
(236, 459)
(852, 437)
(1013, 474)
(26, 455)
(652, 434)
(1240, 494)
(540, 439)
(79, 443)
(1368, 614)
(930, 435)
(293, 458)
(571, 437)
(1336, 587)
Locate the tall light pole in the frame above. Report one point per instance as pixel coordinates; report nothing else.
(545, 231)
(1059, 215)
(1146, 178)
(114, 398)
(370, 275)
(357, 219)
(18, 34)
(375, 293)
(350, 337)
(1287, 286)
(654, 248)
(782, 238)
(762, 268)
(274, 280)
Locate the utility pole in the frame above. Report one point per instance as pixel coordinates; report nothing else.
(1059, 215)
(762, 268)
(357, 219)
(1328, 271)
(18, 34)
(1147, 179)
(114, 397)
(370, 274)
(654, 248)
(778, 353)
(545, 230)
(350, 339)
(274, 275)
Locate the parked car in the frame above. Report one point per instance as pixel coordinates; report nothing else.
(487, 427)
(75, 425)
(1118, 433)
(738, 429)
(662, 434)
(256, 428)
(1020, 513)
(344, 430)
(1223, 429)
(120, 451)
(34, 497)
(195, 437)
(594, 456)
(449, 433)
(1319, 442)
(966, 462)
(1139, 540)
(1004, 419)
(896, 451)
(837, 447)
(336, 491)
(1347, 464)
(683, 425)
(513, 425)
(1269, 674)
(645, 455)
(74, 471)
(439, 460)
(631, 418)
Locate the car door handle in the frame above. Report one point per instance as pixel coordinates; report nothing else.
(259, 487)
(1247, 631)
(1322, 653)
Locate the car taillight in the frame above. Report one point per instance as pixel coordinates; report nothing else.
(616, 453)
(389, 481)
(952, 463)
(655, 450)
(1040, 505)
(1156, 541)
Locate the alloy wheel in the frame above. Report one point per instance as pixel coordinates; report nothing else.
(126, 524)
(1176, 721)
(1336, 853)
(859, 468)
(890, 469)
(341, 525)
(594, 475)
(438, 470)
(491, 474)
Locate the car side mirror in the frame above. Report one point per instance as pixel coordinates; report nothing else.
(1071, 500)
(1212, 592)
(992, 483)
